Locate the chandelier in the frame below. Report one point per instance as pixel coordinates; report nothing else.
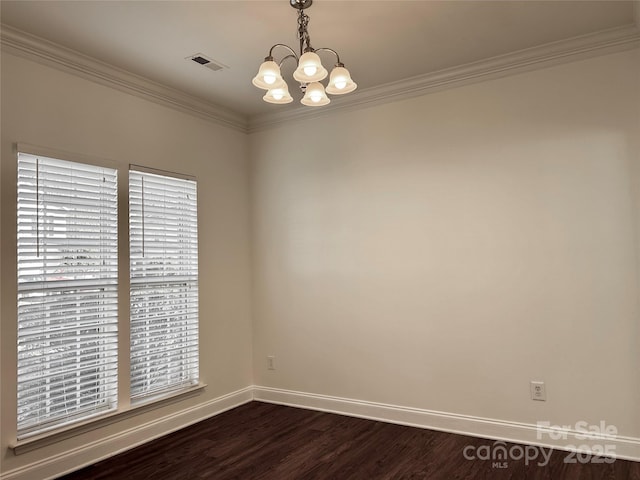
(309, 72)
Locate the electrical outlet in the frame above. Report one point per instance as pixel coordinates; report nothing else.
(271, 362)
(538, 391)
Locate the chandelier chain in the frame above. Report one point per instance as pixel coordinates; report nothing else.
(303, 32)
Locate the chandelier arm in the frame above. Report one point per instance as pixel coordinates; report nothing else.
(324, 49)
(282, 45)
(288, 56)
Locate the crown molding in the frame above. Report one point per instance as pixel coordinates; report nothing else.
(48, 53)
(565, 51)
(34, 48)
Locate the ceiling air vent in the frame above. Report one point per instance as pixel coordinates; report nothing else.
(205, 61)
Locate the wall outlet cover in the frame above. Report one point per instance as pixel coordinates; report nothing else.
(538, 391)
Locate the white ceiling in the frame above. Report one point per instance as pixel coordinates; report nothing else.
(379, 41)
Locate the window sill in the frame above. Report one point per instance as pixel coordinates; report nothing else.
(54, 436)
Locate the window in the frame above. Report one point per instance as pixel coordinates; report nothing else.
(67, 266)
(163, 243)
(67, 292)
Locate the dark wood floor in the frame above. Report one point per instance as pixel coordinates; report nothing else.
(263, 441)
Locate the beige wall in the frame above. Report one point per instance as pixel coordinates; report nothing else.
(49, 108)
(436, 253)
(441, 252)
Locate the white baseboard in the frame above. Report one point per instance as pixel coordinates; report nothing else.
(96, 451)
(627, 448)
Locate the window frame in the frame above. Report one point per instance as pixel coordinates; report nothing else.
(125, 408)
(79, 300)
(182, 363)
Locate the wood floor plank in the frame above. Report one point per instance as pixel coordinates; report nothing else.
(272, 442)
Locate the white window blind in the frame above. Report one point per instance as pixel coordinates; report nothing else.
(67, 292)
(163, 236)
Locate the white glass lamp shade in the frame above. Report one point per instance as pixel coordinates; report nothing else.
(268, 76)
(315, 96)
(310, 69)
(340, 82)
(278, 95)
